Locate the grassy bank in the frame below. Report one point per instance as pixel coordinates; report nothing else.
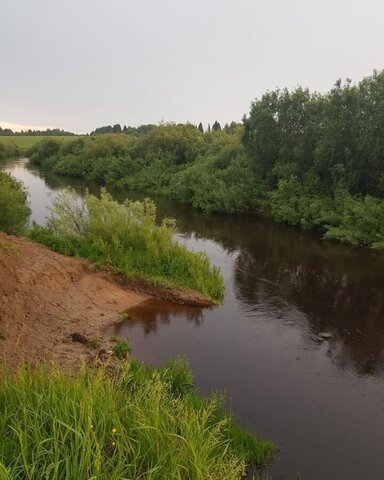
(127, 422)
(24, 142)
(126, 238)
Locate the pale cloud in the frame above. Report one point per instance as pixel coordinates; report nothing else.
(16, 127)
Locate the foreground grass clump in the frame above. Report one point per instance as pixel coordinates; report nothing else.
(126, 238)
(132, 422)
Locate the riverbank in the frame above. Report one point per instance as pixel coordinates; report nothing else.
(109, 417)
(46, 298)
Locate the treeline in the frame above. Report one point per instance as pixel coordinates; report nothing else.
(7, 132)
(143, 129)
(307, 159)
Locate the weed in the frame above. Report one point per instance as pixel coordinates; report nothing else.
(94, 343)
(121, 349)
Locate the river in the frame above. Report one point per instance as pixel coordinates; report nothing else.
(321, 400)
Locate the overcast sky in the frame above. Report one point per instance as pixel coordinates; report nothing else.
(78, 64)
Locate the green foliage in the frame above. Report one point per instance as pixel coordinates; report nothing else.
(42, 152)
(94, 343)
(335, 137)
(300, 203)
(14, 211)
(361, 220)
(23, 143)
(291, 157)
(208, 184)
(132, 423)
(121, 349)
(8, 150)
(49, 132)
(126, 238)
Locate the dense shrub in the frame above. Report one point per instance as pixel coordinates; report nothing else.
(8, 150)
(14, 211)
(127, 238)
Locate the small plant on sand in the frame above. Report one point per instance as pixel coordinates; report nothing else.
(121, 349)
(94, 343)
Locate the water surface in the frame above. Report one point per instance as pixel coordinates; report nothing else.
(320, 401)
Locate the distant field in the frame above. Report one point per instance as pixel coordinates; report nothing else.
(25, 141)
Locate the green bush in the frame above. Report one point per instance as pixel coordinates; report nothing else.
(361, 220)
(126, 238)
(8, 150)
(121, 349)
(14, 211)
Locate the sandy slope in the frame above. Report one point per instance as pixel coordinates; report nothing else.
(45, 297)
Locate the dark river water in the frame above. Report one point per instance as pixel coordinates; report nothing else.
(320, 400)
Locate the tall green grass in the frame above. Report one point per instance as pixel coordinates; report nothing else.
(127, 238)
(132, 422)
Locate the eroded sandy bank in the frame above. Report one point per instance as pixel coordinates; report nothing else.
(46, 297)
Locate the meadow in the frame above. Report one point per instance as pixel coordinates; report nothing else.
(24, 142)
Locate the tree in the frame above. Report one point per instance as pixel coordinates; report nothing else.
(200, 128)
(216, 127)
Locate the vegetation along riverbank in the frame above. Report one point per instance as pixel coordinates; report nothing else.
(123, 420)
(308, 159)
(80, 407)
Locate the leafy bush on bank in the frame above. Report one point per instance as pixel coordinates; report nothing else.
(8, 150)
(126, 238)
(14, 211)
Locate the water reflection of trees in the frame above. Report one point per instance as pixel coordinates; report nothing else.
(151, 314)
(279, 270)
(338, 299)
(58, 182)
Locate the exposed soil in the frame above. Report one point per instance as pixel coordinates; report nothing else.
(52, 306)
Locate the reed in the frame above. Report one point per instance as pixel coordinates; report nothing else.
(126, 422)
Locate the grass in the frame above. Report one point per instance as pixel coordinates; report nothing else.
(121, 349)
(127, 239)
(94, 343)
(7, 248)
(125, 422)
(24, 142)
